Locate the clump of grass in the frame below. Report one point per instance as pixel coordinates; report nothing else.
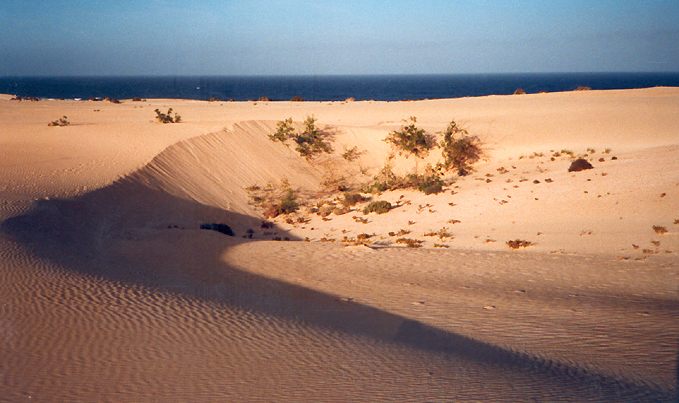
(62, 121)
(429, 184)
(460, 151)
(379, 207)
(310, 142)
(519, 243)
(409, 242)
(659, 229)
(168, 117)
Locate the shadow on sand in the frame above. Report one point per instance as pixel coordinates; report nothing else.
(93, 234)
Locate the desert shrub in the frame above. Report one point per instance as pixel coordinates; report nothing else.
(62, 121)
(379, 207)
(351, 154)
(351, 199)
(264, 99)
(460, 151)
(168, 117)
(659, 229)
(297, 98)
(310, 142)
(519, 91)
(289, 203)
(519, 243)
(429, 184)
(409, 242)
(137, 99)
(112, 100)
(411, 140)
(583, 88)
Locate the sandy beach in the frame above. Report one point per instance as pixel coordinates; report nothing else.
(109, 289)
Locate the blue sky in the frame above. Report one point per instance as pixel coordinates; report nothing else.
(252, 37)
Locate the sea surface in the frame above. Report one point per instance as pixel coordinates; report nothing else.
(324, 88)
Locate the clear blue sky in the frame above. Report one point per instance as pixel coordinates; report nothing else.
(252, 37)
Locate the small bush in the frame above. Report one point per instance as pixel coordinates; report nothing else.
(409, 242)
(411, 140)
(519, 91)
(519, 243)
(583, 88)
(379, 207)
(62, 121)
(351, 154)
(296, 98)
(168, 117)
(310, 142)
(460, 151)
(289, 203)
(659, 229)
(264, 99)
(430, 184)
(351, 199)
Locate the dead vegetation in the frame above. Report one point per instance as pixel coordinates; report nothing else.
(519, 243)
(62, 121)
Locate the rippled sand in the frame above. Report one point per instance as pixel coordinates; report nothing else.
(109, 291)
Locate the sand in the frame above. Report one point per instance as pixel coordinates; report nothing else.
(110, 291)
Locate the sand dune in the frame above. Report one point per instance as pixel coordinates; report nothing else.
(110, 291)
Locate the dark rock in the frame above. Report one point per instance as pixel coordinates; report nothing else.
(579, 165)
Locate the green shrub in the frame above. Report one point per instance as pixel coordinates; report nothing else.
(411, 140)
(167, 117)
(351, 154)
(430, 184)
(310, 142)
(459, 149)
(379, 207)
(289, 203)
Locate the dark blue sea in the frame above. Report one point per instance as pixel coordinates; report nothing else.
(324, 88)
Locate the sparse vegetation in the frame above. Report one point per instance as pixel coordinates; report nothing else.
(62, 121)
(660, 230)
(409, 242)
(296, 98)
(579, 164)
(519, 243)
(459, 149)
(351, 199)
(519, 91)
(310, 142)
(582, 88)
(352, 154)
(379, 207)
(169, 117)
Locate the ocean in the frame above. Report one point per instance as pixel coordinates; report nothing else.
(324, 88)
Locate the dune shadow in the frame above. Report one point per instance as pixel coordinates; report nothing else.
(91, 234)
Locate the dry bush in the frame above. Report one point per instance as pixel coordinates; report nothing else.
(409, 242)
(519, 243)
(582, 88)
(351, 199)
(379, 207)
(659, 229)
(519, 91)
(296, 98)
(62, 121)
(460, 151)
(168, 117)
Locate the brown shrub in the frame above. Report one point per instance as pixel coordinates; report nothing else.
(579, 165)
